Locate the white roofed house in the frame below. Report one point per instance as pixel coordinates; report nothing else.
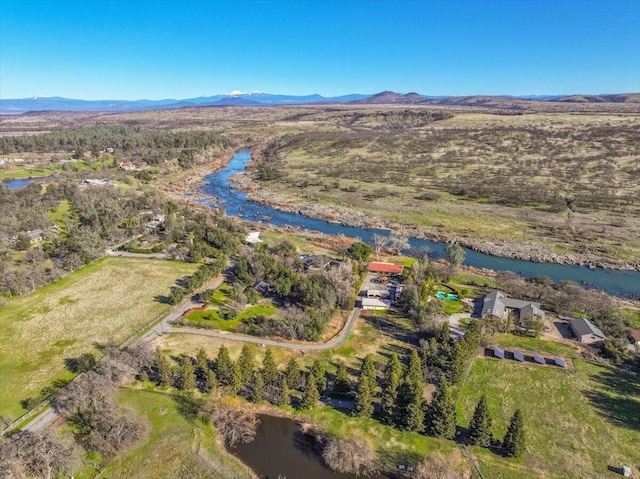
(586, 332)
(375, 303)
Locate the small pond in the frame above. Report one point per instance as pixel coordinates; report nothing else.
(18, 183)
(281, 450)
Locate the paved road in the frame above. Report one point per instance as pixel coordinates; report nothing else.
(126, 254)
(49, 415)
(334, 342)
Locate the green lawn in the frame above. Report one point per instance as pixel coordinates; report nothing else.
(577, 422)
(534, 345)
(175, 446)
(211, 318)
(13, 174)
(110, 298)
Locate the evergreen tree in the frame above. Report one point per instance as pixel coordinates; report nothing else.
(188, 376)
(258, 388)
(202, 364)
(224, 366)
(342, 384)
(269, 368)
(368, 373)
(310, 396)
(408, 411)
(441, 417)
(235, 381)
(364, 398)
(457, 361)
(165, 375)
(210, 381)
(319, 372)
(414, 370)
(514, 441)
(246, 362)
(292, 373)
(480, 426)
(390, 383)
(285, 394)
(472, 337)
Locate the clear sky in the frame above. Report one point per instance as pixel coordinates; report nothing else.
(113, 49)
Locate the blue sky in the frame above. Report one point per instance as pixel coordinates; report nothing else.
(115, 49)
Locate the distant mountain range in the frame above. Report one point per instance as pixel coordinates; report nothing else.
(265, 99)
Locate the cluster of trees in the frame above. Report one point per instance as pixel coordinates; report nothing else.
(129, 142)
(311, 294)
(191, 283)
(98, 423)
(94, 219)
(243, 377)
(570, 299)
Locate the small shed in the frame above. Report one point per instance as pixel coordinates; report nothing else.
(559, 362)
(262, 287)
(626, 471)
(538, 359)
(518, 355)
(253, 238)
(498, 353)
(635, 335)
(375, 303)
(376, 293)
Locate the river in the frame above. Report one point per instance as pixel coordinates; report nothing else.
(281, 450)
(235, 202)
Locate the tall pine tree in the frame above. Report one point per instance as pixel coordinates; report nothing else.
(514, 441)
(235, 381)
(202, 364)
(285, 393)
(369, 374)
(342, 384)
(390, 383)
(480, 426)
(319, 372)
(269, 368)
(188, 375)
(224, 366)
(165, 375)
(247, 362)
(310, 396)
(364, 397)
(441, 416)
(292, 373)
(408, 411)
(258, 388)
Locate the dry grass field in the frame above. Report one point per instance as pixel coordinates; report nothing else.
(564, 183)
(110, 298)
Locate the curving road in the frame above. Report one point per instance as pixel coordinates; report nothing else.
(49, 415)
(336, 341)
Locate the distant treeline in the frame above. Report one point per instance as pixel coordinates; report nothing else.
(127, 141)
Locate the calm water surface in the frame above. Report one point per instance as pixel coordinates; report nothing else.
(219, 186)
(281, 450)
(18, 183)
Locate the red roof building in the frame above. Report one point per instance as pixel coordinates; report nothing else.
(387, 268)
(635, 334)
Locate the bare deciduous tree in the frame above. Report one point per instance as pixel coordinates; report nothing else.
(379, 242)
(41, 454)
(351, 455)
(235, 423)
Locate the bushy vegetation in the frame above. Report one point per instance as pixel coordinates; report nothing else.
(311, 294)
(129, 142)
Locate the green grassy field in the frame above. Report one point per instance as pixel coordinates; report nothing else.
(534, 345)
(110, 298)
(577, 422)
(12, 174)
(210, 318)
(175, 446)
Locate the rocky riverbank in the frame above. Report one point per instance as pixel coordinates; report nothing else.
(527, 251)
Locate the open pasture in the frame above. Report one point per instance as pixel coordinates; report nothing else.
(110, 298)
